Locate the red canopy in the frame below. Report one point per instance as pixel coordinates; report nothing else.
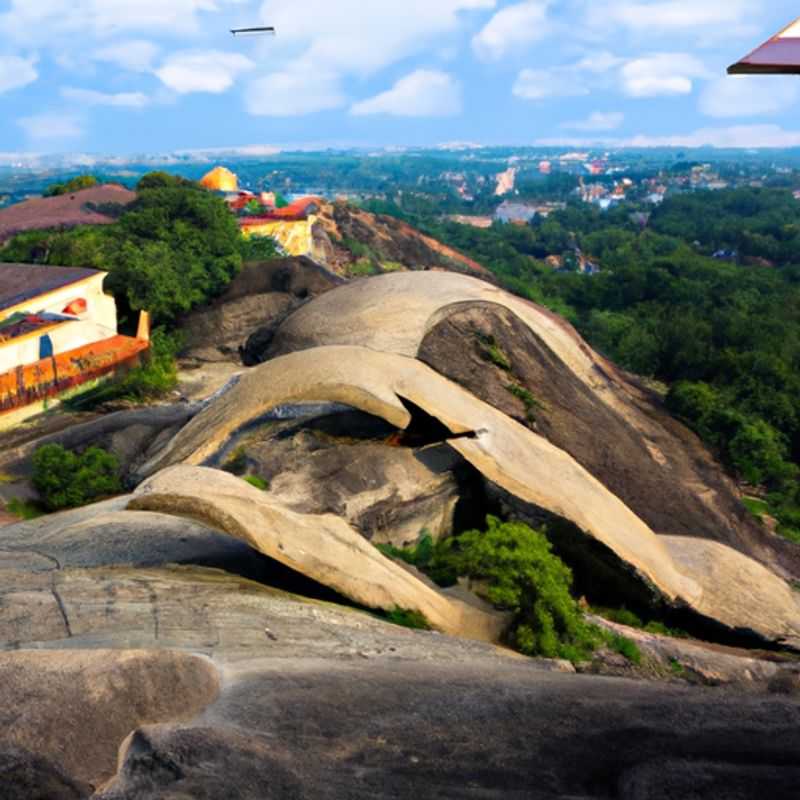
(778, 56)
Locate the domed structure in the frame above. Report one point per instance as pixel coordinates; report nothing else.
(220, 179)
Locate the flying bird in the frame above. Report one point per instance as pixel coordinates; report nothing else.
(253, 31)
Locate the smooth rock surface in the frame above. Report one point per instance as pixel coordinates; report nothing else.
(321, 547)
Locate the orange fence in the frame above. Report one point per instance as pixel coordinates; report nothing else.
(52, 376)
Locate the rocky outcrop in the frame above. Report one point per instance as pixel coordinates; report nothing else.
(77, 706)
(239, 324)
(393, 315)
(385, 244)
(352, 465)
(321, 547)
(580, 401)
(319, 700)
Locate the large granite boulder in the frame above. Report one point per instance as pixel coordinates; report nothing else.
(531, 364)
(505, 452)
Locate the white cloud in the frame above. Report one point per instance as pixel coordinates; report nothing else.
(511, 29)
(288, 94)
(353, 36)
(89, 97)
(136, 55)
(597, 121)
(52, 126)
(661, 74)
(16, 72)
(211, 71)
(423, 93)
(52, 20)
(538, 84)
(738, 136)
(599, 62)
(717, 18)
(749, 96)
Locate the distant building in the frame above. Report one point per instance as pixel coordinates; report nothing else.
(58, 331)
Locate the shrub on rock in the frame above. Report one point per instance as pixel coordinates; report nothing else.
(65, 479)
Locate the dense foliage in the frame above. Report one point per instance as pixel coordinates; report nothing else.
(170, 251)
(724, 334)
(65, 479)
(521, 575)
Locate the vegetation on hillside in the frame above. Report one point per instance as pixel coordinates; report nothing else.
(723, 334)
(173, 249)
(70, 186)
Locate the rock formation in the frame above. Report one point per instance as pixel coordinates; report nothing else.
(156, 645)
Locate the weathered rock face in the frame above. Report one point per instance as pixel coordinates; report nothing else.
(322, 547)
(668, 479)
(133, 436)
(77, 707)
(319, 700)
(393, 314)
(240, 323)
(350, 465)
(389, 243)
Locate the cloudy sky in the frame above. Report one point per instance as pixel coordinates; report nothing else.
(127, 76)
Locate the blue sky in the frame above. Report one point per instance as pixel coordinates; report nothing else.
(134, 76)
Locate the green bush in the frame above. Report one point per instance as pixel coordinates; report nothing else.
(408, 619)
(23, 509)
(523, 576)
(65, 479)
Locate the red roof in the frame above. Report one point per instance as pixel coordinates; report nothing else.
(298, 210)
(780, 55)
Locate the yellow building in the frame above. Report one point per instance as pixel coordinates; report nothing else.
(220, 179)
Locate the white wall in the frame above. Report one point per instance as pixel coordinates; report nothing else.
(100, 307)
(65, 337)
(97, 323)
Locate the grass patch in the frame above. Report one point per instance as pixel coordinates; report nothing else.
(362, 268)
(392, 266)
(67, 479)
(532, 405)
(407, 618)
(676, 668)
(5, 477)
(24, 509)
(625, 647)
(259, 483)
(622, 616)
(492, 352)
(758, 508)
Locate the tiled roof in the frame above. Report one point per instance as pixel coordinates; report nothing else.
(779, 55)
(22, 282)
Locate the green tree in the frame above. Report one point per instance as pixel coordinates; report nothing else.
(524, 577)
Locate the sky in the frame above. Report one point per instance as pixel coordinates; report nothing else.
(151, 76)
